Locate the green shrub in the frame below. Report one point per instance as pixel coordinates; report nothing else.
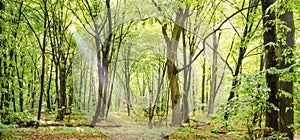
(21, 119)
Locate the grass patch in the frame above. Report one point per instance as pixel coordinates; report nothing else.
(60, 132)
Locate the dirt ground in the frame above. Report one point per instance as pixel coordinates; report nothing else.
(40, 136)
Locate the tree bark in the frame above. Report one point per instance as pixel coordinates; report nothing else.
(62, 92)
(186, 80)
(20, 77)
(43, 48)
(173, 81)
(100, 76)
(127, 78)
(269, 38)
(103, 65)
(49, 86)
(203, 83)
(172, 76)
(106, 53)
(213, 85)
(286, 108)
(20, 82)
(113, 78)
(172, 45)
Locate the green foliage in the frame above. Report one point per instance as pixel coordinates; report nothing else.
(147, 56)
(245, 111)
(21, 119)
(183, 133)
(275, 136)
(5, 129)
(251, 102)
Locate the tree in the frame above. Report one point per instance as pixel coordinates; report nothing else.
(172, 45)
(42, 43)
(186, 78)
(286, 46)
(8, 60)
(245, 39)
(127, 76)
(4, 85)
(14, 53)
(271, 50)
(213, 85)
(119, 36)
(92, 15)
(61, 46)
(279, 44)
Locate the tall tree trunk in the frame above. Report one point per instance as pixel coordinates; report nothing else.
(20, 81)
(269, 38)
(20, 77)
(49, 87)
(62, 92)
(10, 83)
(103, 65)
(106, 50)
(127, 78)
(186, 79)
(42, 84)
(55, 61)
(13, 99)
(100, 78)
(286, 51)
(101, 87)
(43, 47)
(203, 82)
(172, 72)
(113, 79)
(172, 45)
(213, 84)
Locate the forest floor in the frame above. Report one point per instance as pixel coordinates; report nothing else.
(121, 127)
(48, 133)
(118, 127)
